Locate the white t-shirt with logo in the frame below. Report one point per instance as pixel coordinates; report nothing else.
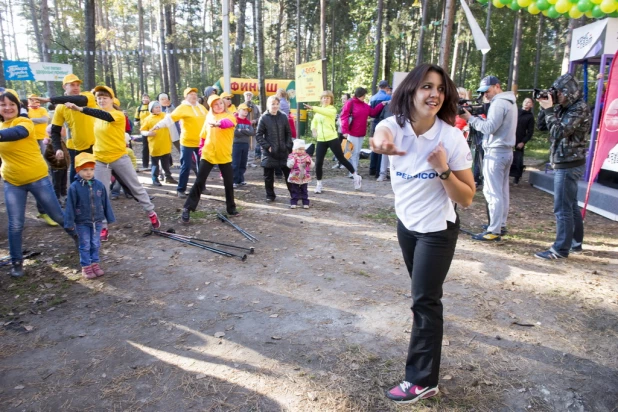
(421, 202)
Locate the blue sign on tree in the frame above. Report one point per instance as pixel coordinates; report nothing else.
(16, 70)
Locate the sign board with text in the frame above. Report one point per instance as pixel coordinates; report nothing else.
(54, 72)
(309, 83)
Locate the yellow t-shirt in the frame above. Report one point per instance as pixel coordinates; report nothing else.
(22, 161)
(81, 125)
(142, 113)
(191, 122)
(218, 145)
(131, 155)
(109, 144)
(161, 143)
(40, 129)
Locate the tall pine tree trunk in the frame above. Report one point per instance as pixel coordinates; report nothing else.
(539, 44)
(169, 31)
(516, 53)
(447, 34)
(240, 40)
(35, 28)
(140, 46)
(323, 40)
(46, 34)
(165, 79)
(260, 53)
(90, 47)
(376, 63)
(421, 36)
(573, 24)
(387, 47)
(276, 69)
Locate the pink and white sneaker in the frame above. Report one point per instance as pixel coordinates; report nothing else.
(406, 392)
(154, 220)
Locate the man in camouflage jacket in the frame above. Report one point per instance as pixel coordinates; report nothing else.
(568, 123)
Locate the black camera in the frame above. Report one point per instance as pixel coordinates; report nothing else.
(473, 109)
(543, 94)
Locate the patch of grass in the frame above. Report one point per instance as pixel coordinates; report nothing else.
(202, 214)
(387, 216)
(538, 146)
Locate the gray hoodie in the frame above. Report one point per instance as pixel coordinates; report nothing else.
(501, 124)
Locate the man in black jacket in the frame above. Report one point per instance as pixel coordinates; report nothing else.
(523, 134)
(568, 123)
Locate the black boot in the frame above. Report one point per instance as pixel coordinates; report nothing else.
(17, 270)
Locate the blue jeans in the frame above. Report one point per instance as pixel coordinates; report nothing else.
(569, 222)
(89, 243)
(240, 153)
(186, 165)
(15, 199)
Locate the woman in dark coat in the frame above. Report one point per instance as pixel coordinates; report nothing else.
(275, 137)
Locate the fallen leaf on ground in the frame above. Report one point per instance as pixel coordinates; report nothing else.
(447, 377)
(219, 334)
(274, 315)
(28, 327)
(275, 337)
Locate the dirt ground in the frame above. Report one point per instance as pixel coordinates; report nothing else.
(318, 319)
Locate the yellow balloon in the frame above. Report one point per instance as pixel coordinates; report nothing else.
(563, 6)
(498, 4)
(608, 6)
(589, 14)
(524, 3)
(574, 13)
(545, 13)
(533, 9)
(554, 2)
(596, 1)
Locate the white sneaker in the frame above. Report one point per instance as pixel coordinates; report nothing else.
(381, 178)
(337, 166)
(358, 181)
(318, 187)
(292, 206)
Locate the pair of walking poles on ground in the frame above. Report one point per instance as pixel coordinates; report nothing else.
(211, 245)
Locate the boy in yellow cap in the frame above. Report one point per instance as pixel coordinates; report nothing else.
(87, 207)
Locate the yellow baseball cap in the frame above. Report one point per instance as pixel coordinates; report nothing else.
(226, 94)
(212, 99)
(189, 90)
(83, 158)
(104, 89)
(70, 78)
(32, 96)
(243, 106)
(13, 92)
(116, 101)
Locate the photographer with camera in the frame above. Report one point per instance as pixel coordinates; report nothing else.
(498, 140)
(568, 122)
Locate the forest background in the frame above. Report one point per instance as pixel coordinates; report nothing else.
(136, 43)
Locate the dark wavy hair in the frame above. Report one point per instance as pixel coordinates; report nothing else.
(360, 92)
(402, 103)
(12, 98)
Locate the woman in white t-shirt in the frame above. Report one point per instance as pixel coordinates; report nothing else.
(430, 169)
